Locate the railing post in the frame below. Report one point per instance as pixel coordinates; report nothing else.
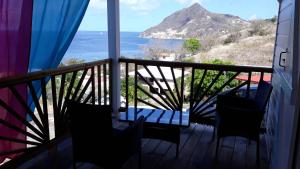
(113, 19)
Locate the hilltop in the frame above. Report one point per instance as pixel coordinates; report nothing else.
(195, 21)
(222, 36)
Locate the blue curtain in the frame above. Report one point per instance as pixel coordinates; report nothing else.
(54, 24)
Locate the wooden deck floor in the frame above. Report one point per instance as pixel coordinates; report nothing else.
(197, 150)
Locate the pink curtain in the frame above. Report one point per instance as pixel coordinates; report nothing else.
(15, 33)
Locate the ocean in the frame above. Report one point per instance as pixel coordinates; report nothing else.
(93, 45)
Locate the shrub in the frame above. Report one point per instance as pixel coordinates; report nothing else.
(189, 59)
(232, 38)
(257, 28)
(274, 19)
(131, 90)
(208, 42)
(192, 45)
(210, 76)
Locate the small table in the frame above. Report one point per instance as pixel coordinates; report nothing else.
(159, 124)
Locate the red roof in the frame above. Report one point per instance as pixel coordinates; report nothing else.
(254, 78)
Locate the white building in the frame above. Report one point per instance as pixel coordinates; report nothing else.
(167, 73)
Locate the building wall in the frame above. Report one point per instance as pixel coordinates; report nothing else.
(281, 113)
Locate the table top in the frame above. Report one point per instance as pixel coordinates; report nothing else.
(159, 116)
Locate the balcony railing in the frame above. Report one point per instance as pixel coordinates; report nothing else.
(185, 87)
(89, 82)
(178, 86)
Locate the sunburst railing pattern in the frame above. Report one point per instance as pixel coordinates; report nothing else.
(185, 87)
(46, 115)
(171, 88)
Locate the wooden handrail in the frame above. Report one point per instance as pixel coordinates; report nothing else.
(4, 82)
(175, 64)
(98, 75)
(202, 95)
(67, 83)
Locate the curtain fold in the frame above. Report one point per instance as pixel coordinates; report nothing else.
(54, 25)
(15, 32)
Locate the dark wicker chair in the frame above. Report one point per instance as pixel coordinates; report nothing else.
(240, 116)
(96, 141)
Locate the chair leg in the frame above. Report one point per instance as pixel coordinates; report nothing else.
(140, 159)
(257, 152)
(177, 150)
(178, 143)
(217, 148)
(214, 134)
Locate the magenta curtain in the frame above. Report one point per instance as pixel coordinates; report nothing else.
(15, 33)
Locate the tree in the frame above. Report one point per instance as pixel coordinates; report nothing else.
(209, 77)
(68, 78)
(131, 86)
(192, 45)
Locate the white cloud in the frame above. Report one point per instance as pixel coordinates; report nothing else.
(253, 17)
(98, 4)
(189, 2)
(142, 6)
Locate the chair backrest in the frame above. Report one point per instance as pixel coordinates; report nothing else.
(262, 95)
(91, 129)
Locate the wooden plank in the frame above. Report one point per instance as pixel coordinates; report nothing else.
(99, 83)
(203, 151)
(263, 153)
(168, 86)
(175, 83)
(185, 154)
(61, 92)
(127, 87)
(197, 65)
(44, 118)
(161, 155)
(148, 152)
(239, 154)
(8, 81)
(27, 108)
(93, 86)
(165, 117)
(105, 84)
(225, 152)
(170, 156)
(251, 155)
(167, 100)
(208, 161)
(157, 154)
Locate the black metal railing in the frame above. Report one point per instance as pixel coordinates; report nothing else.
(191, 87)
(88, 82)
(176, 86)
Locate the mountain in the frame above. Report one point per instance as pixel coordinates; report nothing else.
(195, 21)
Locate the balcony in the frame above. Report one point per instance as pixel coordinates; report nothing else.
(183, 88)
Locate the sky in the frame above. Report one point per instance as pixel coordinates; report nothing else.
(138, 15)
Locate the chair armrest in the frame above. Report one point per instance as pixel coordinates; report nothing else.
(239, 115)
(234, 101)
(243, 111)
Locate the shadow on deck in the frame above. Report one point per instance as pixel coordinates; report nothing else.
(197, 150)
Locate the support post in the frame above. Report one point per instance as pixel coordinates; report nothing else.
(113, 19)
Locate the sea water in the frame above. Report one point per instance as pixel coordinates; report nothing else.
(93, 45)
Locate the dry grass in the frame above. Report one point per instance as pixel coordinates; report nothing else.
(255, 50)
(252, 46)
